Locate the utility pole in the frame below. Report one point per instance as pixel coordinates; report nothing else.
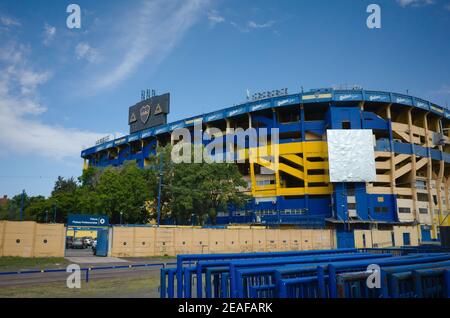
(158, 207)
(54, 213)
(21, 205)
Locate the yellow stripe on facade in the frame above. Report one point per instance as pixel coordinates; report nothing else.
(318, 96)
(295, 164)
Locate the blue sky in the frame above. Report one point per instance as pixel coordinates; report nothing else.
(61, 89)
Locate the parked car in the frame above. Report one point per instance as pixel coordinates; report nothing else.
(69, 241)
(87, 241)
(78, 243)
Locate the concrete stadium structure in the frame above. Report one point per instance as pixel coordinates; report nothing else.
(412, 160)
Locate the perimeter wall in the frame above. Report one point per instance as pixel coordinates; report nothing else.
(31, 239)
(148, 241)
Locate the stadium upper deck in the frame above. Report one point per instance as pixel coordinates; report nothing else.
(412, 157)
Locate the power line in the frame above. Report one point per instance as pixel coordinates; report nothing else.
(30, 177)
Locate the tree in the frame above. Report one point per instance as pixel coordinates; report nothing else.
(89, 177)
(14, 205)
(123, 189)
(64, 185)
(190, 191)
(40, 209)
(64, 197)
(203, 189)
(197, 190)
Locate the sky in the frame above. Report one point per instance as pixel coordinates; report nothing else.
(61, 89)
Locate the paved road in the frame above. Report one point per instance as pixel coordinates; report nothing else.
(41, 278)
(79, 252)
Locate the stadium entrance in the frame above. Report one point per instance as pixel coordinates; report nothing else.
(87, 235)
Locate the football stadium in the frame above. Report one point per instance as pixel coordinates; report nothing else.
(327, 177)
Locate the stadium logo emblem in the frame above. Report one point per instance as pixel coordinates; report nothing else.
(102, 221)
(132, 118)
(145, 113)
(158, 109)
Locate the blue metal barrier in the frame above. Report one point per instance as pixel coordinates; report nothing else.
(241, 278)
(431, 283)
(181, 259)
(358, 266)
(409, 272)
(226, 266)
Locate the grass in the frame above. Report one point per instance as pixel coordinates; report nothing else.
(22, 263)
(135, 287)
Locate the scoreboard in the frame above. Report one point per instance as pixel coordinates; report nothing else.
(149, 113)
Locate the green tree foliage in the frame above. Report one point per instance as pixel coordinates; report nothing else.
(11, 211)
(190, 191)
(197, 190)
(123, 189)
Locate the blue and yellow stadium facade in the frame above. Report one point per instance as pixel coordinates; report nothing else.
(412, 158)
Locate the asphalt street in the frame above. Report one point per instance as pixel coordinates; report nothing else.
(86, 262)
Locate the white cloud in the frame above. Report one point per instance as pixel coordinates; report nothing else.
(157, 26)
(414, 3)
(85, 51)
(21, 126)
(48, 34)
(254, 25)
(215, 18)
(240, 28)
(8, 21)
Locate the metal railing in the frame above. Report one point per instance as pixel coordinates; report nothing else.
(87, 270)
(405, 272)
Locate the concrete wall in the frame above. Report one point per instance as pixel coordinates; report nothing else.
(30, 239)
(383, 238)
(147, 241)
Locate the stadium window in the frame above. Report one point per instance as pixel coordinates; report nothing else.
(423, 211)
(421, 185)
(381, 209)
(404, 210)
(346, 125)
(422, 197)
(435, 200)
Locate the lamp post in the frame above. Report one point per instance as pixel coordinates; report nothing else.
(46, 216)
(22, 204)
(121, 217)
(158, 207)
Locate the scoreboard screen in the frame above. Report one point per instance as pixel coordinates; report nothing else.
(149, 113)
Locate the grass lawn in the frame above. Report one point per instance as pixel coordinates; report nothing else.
(134, 287)
(22, 263)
